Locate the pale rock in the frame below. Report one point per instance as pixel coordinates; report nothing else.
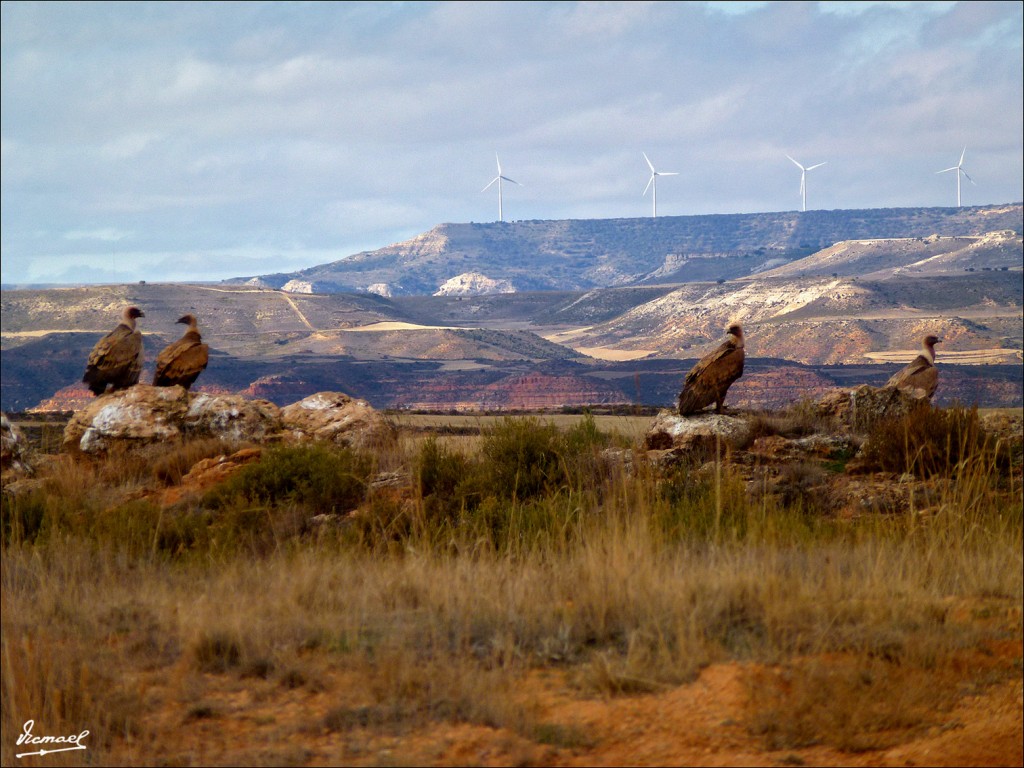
(138, 415)
(144, 414)
(232, 417)
(299, 286)
(337, 418)
(13, 449)
(473, 284)
(859, 409)
(669, 430)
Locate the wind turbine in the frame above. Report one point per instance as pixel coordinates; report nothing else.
(653, 181)
(499, 178)
(803, 179)
(959, 169)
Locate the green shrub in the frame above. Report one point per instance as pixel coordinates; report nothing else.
(521, 459)
(445, 483)
(322, 479)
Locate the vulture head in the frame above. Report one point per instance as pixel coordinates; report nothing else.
(130, 314)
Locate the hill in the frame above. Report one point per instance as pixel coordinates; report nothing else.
(862, 302)
(600, 253)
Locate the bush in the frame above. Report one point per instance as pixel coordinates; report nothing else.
(521, 459)
(929, 441)
(321, 479)
(525, 459)
(443, 486)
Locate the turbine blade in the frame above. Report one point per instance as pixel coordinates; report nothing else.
(489, 185)
(968, 177)
(947, 170)
(797, 164)
(666, 173)
(649, 182)
(962, 157)
(649, 163)
(811, 168)
(506, 178)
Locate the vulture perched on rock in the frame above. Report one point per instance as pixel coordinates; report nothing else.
(709, 380)
(920, 373)
(116, 360)
(182, 361)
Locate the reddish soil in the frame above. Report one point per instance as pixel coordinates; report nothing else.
(227, 719)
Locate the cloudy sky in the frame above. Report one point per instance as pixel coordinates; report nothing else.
(178, 141)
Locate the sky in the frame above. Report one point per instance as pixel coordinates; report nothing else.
(201, 141)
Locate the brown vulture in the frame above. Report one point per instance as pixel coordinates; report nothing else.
(116, 360)
(709, 380)
(920, 373)
(182, 361)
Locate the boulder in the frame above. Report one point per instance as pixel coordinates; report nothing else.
(13, 449)
(335, 417)
(232, 417)
(139, 415)
(859, 409)
(144, 415)
(670, 431)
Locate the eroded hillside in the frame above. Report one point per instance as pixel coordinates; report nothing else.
(603, 253)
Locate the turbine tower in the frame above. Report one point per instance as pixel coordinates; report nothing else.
(959, 169)
(499, 178)
(653, 181)
(803, 179)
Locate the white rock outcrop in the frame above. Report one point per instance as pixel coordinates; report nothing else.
(13, 448)
(473, 284)
(670, 431)
(144, 415)
(337, 418)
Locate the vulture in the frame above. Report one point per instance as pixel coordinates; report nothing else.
(182, 361)
(709, 380)
(920, 372)
(116, 360)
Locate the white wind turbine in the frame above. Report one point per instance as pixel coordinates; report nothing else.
(803, 179)
(653, 182)
(499, 178)
(959, 169)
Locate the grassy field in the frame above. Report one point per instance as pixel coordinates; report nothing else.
(517, 594)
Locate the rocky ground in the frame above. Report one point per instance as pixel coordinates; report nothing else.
(708, 721)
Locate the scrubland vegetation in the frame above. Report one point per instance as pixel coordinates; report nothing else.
(420, 585)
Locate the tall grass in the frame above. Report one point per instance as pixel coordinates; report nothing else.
(443, 594)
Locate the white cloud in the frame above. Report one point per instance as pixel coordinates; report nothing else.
(324, 127)
(107, 235)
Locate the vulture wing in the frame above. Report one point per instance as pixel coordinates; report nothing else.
(116, 360)
(708, 381)
(918, 374)
(181, 362)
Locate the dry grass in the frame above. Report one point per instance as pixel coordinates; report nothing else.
(633, 588)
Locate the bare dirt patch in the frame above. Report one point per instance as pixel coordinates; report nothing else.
(328, 719)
